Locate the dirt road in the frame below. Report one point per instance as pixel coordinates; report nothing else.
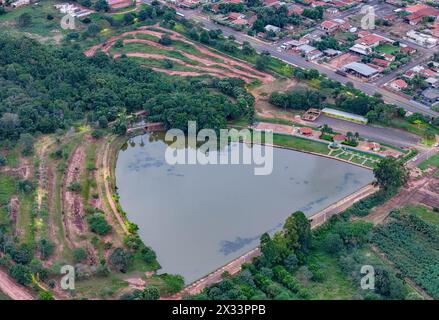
(13, 289)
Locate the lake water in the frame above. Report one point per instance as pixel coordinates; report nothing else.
(197, 218)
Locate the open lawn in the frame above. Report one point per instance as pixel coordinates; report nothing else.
(422, 212)
(300, 143)
(45, 19)
(387, 48)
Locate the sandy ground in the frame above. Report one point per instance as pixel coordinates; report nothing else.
(13, 289)
(419, 189)
(214, 64)
(73, 210)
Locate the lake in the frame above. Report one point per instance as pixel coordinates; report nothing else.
(199, 217)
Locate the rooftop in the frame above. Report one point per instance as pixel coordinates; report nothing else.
(361, 68)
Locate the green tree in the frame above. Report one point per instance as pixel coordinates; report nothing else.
(297, 231)
(22, 274)
(98, 224)
(103, 122)
(79, 254)
(27, 144)
(46, 248)
(262, 62)
(101, 5)
(390, 173)
(150, 293)
(165, 40)
(333, 243)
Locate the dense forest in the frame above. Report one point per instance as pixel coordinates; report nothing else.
(48, 88)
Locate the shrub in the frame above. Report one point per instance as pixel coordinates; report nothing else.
(74, 187)
(21, 273)
(120, 259)
(98, 224)
(79, 254)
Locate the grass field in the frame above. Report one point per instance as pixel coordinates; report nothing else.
(8, 187)
(40, 24)
(335, 286)
(423, 213)
(432, 161)
(387, 48)
(300, 143)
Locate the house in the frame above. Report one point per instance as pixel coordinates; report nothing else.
(398, 84)
(361, 70)
(295, 9)
(270, 3)
(373, 146)
(427, 73)
(331, 10)
(329, 25)
(430, 96)
(117, 4)
(381, 62)
(334, 25)
(363, 50)
(433, 82)
(240, 22)
(19, 3)
(418, 12)
(235, 16)
(292, 44)
(309, 52)
(305, 131)
(421, 39)
(371, 40)
(339, 138)
(272, 28)
(410, 74)
(316, 3)
(332, 52)
(407, 49)
(388, 57)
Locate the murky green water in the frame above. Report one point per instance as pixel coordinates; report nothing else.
(197, 218)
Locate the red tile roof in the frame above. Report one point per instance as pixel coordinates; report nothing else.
(381, 62)
(305, 131)
(400, 83)
(234, 15)
(369, 39)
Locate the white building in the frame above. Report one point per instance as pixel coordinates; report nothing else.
(270, 27)
(19, 3)
(422, 39)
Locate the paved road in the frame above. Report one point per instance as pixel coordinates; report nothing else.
(262, 46)
(391, 136)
